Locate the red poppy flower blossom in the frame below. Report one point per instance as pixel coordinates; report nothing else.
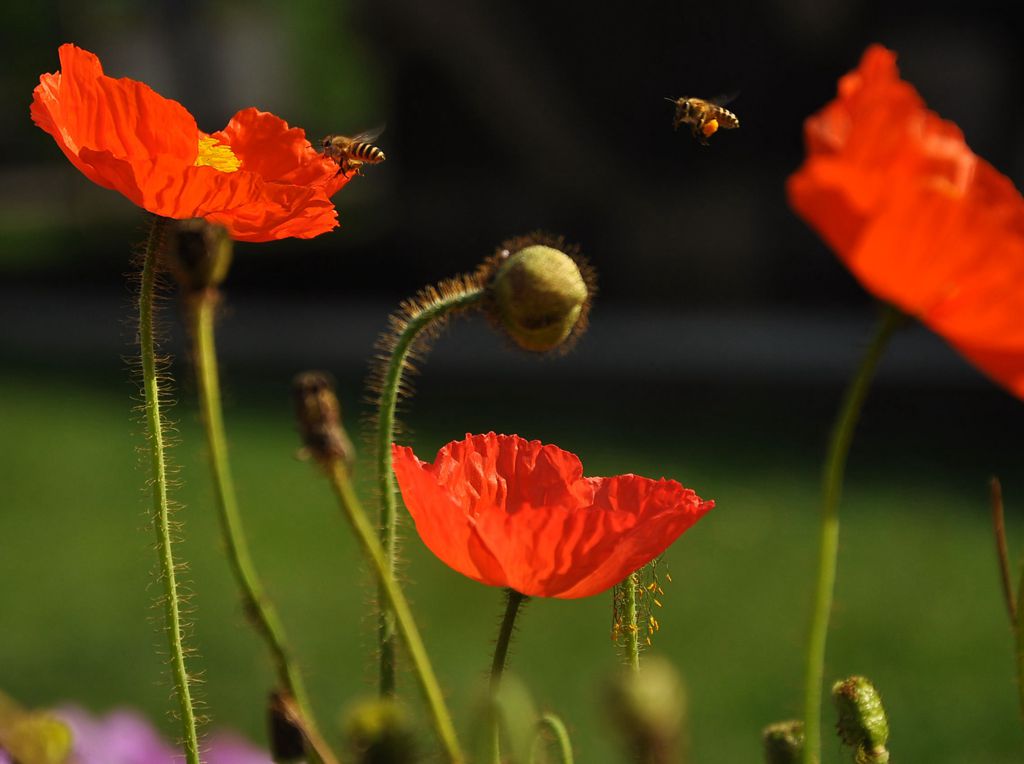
(257, 177)
(921, 220)
(511, 512)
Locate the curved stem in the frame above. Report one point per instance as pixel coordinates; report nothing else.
(385, 475)
(259, 609)
(161, 509)
(561, 734)
(832, 484)
(398, 605)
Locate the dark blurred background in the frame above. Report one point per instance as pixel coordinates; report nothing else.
(721, 338)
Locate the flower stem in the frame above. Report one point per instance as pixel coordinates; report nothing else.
(421, 319)
(832, 483)
(161, 508)
(561, 734)
(1002, 551)
(508, 623)
(631, 585)
(254, 600)
(513, 601)
(396, 602)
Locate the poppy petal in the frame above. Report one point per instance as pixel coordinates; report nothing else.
(511, 512)
(920, 220)
(279, 153)
(441, 521)
(267, 182)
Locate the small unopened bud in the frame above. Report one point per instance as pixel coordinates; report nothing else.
(379, 732)
(199, 254)
(287, 740)
(539, 294)
(650, 707)
(783, 742)
(318, 414)
(862, 722)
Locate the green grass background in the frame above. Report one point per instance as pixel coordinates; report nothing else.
(918, 606)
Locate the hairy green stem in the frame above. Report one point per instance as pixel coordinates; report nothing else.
(561, 734)
(392, 595)
(385, 476)
(161, 509)
(257, 606)
(513, 601)
(832, 484)
(631, 585)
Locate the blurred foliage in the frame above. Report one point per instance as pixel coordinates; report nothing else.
(918, 603)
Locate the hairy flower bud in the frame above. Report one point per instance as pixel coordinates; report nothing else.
(783, 742)
(862, 723)
(538, 292)
(199, 254)
(318, 415)
(650, 707)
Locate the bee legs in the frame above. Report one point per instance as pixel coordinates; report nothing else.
(348, 167)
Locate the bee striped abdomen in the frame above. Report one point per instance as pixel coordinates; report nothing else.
(366, 152)
(726, 118)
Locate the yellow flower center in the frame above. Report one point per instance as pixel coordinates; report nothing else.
(219, 156)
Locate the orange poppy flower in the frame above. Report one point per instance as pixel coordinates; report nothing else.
(257, 177)
(922, 221)
(511, 512)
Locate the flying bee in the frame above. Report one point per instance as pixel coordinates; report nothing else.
(705, 117)
(352, 153)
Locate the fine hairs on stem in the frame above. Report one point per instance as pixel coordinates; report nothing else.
(832, 485)
(410, 330)
(156, 442)
(392, 595)
(258, 607)
(513, 602)
(319, 420)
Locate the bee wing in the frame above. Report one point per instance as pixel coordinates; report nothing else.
(722, 100)
(369, 136)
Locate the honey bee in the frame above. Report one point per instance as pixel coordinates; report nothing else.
(352, 153)
(705, 117)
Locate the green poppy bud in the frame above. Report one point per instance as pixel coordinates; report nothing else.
(539, 294)
(650, 707)
(862, 723)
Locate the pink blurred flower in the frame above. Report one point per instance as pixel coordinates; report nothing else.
(125, 737)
